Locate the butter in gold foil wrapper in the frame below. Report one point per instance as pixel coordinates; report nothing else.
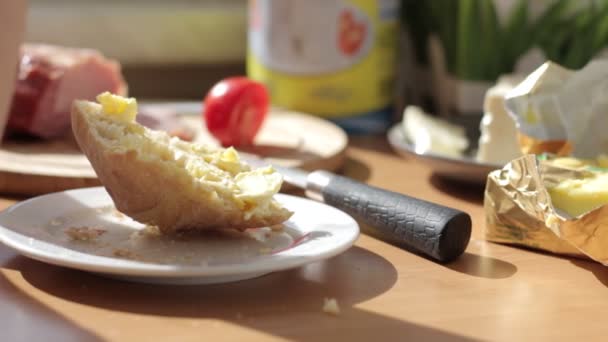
(519, 211)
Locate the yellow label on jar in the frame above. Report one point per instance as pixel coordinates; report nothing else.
(328, 57)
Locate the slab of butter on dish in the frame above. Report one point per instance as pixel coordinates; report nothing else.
(431, 134)
(169, 183)
(498, 142)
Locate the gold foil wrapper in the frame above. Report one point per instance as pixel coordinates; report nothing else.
(519, 211)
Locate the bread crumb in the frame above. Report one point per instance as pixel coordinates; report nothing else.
(265, 250)
(135, 235)
(277, 227)
(151, 230)
(330, 306)
(118, 214)
(146, 232)
(84, 233)
(124, 253)
(259, 234)
(56, 222)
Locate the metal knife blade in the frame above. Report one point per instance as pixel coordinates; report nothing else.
(436, 231)
(293, 176)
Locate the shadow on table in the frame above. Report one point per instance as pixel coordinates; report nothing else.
(482, 266)
(599, 271)
(356, 170)
(469, 192)
(25, 319)
(270, 304)
(468, 263)
(377, 143)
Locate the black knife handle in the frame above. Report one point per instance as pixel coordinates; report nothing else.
(440, 232)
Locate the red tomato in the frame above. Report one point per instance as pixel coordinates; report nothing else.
(234, 110)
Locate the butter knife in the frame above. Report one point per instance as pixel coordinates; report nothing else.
(438, 232)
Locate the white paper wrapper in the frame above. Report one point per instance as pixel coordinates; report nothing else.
(554, 103)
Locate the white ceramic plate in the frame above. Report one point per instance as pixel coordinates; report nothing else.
(126, 249)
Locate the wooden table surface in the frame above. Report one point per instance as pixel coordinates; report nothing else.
(493, 292)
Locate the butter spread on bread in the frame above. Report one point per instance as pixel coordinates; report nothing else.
(164, 181)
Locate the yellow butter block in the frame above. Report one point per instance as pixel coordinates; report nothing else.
(578, 196)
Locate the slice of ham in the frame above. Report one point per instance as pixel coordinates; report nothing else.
(49, 79)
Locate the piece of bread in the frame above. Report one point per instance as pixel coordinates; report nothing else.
(174, 185)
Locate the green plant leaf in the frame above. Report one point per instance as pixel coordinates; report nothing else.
(468, 40)
(490, 55)
(517, 37)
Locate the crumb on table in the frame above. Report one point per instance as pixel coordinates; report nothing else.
(330, 306)
(84, 233)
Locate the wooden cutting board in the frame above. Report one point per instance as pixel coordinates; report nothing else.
(286, 138)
